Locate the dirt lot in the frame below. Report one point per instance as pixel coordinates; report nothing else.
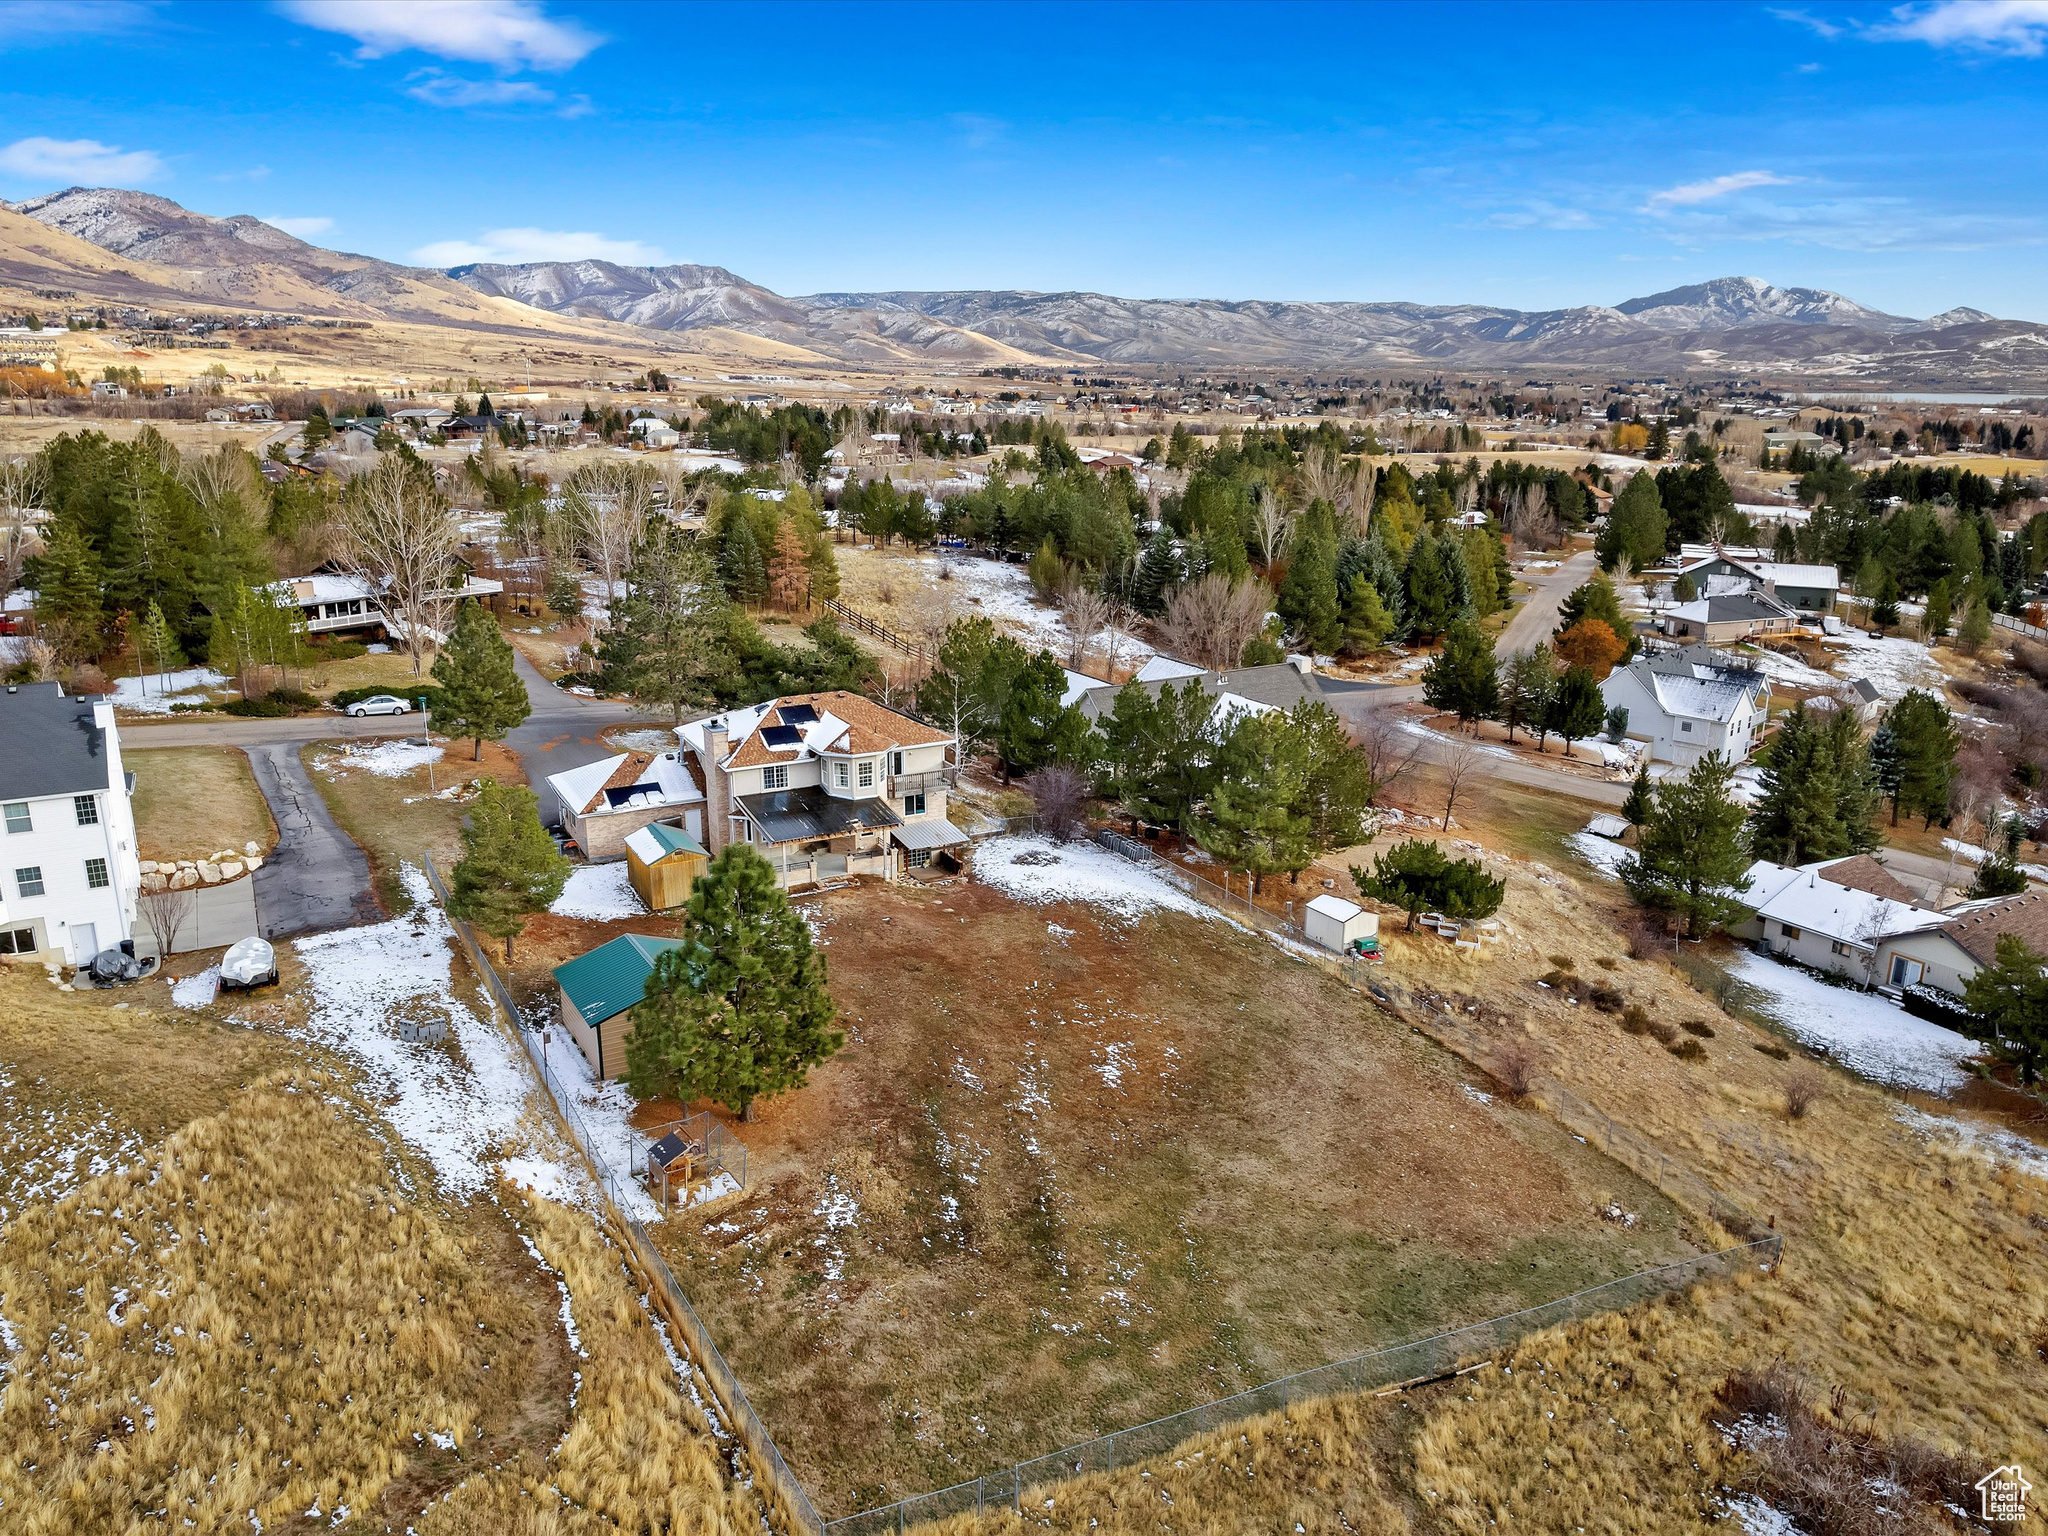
(1071, 1173)
(191, 802)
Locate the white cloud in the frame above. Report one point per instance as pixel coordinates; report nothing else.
(1693, 192)
(305, 228)
(80, 162)
(509, 247)
(2018, 28)
(508, 34)
(437, 89)
(1815, 24)
(1541, 213)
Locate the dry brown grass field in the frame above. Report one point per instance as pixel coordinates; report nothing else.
(1908, 1302)
(1071, 1173)
(194, 801)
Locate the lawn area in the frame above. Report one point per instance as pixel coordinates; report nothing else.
(397, 805)
(192, 802)
(1073, 1171)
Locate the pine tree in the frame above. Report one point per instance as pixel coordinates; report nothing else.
(1409, 876)
(1184, 752)
(1635, 810)
(1032, 727)
(1159, 571)
(1255, 819)
(510, 867)
(1636, 525)
(1307, 599)
(740, 1011)
(1047, 570)
(1462, 678)
(1366, 620)
(1976, 622)
(481, 695)
(1938, 609)
(1884, 608)
(1689, 853)
(157, 645)
(663, 647)
(2010, 1002)
(1130, 745)
(1576, 710)
(1919, 755)
(1433, 588)
(1338, 787)
(1527, 680)
(741, 568)
(69, 606)
(1797, 815)
(789, 571)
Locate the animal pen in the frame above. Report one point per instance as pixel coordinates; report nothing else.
(693, 1161)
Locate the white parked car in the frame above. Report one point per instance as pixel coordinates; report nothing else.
(379, 704)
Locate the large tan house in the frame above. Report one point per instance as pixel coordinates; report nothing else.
(825, 785)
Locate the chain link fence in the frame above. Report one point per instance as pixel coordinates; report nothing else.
(1426, 1359)
(780, 1484)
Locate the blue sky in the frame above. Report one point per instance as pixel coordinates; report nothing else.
(1530, 155)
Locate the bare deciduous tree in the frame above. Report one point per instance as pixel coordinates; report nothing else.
(608, 503)
(1210, 621)
(1272, 527)
(397, 534)
(1461, 766)
(1389, 750)
(165, 911)
(23, 484)
(1087, 610)
(1060, 794)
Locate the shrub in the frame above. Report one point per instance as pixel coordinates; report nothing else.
(1698, 1027)
(1564, 962)
(1514, 1067)
(1634, 1020)
(338, 650)
(1607, 999)
(1775, 1051)
(257, 709)
(297, 698)
(1606, 962)
(1664, 1033)
(1644, 929)
(1802, 1091)
(1688, 1050)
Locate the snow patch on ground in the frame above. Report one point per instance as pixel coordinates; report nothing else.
(1859, 1030)
(1760, 1519)
(465, 1105)
(1000, 590)
(645, 740)
(50, 1143)
(1993, 1144)
(196, 991)
(1893, 665)
(1415, 727)
(1604, 854)
(154, 694)
(387, 759)
(606, 1110)
(599, 891)
(1037, 870)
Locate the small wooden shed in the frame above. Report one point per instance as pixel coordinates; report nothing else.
(1337, 924)
(662, 862)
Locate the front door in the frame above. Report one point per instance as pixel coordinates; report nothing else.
(1905, 973)
(84, 944)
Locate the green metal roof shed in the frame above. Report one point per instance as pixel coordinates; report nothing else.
(612, 977)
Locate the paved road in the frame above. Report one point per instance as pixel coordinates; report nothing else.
(138, 737)
(316, 878)
(563, 732)
(1537, 617)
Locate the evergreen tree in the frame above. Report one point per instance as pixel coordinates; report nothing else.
(1527, 679)
(1255, 819)
(1032, 728)
(1490, 577)
(1919, 755)
(1596, 599)
(663, 646)
(1409, 876)
(1938, 607)
(1998, 876)
(1434, 581)
(1462, 678)
(156, 645)
(1796, 818)
(1635, 810)
(740, 1011)
(1184, 750)
(1976, 622)
(1338, 787)
(1047, 570)
(1884, 608)
(1307, 599)
(1366, 620)
(480, 695)
(1689, 853)
(1159, 571)
(1130, 746)
(1466, 890)
(969, 680)
(1576, 710)
(2010, 1002)
(741, 568)
(69, 609)
(510, 867)
(1636, 526)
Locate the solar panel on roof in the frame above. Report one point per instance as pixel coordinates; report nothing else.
(780, 735)
(797, 714)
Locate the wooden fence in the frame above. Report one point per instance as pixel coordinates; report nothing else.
(854, 619)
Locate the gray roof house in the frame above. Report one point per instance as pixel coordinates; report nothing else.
(1281, 685)
(1690, 702)
(1729, 616)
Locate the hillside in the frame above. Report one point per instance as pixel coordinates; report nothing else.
(112, 245)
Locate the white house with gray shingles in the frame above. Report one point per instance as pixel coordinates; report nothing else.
(69, 870)
(1281, 686)
(1690, 702)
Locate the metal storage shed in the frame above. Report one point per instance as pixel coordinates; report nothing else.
(1336, 924)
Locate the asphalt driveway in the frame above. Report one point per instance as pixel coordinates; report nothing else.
(316, 878)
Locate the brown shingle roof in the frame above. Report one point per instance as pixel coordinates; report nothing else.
(1979, 931)
(870, 728)
(1863, 873)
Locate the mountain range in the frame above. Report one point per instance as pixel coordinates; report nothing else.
(1731, 326)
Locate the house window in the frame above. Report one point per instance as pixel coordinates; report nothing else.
(88, 810)
(17, 941)
(96, 874)
(842, 775)
(775, 776)
(1840, 948)
(1788, 930)
(913, 805)
(1905, 973)
(867, 774)
(1686, 726)
(896, 763)
(18, 819)
(29, 880)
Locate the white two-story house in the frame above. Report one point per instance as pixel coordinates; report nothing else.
(69, 871)
(1687, 703)
(825, 785)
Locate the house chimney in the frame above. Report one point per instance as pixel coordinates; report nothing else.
(717, 790)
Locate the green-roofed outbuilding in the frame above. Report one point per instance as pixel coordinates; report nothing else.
(598, 991)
